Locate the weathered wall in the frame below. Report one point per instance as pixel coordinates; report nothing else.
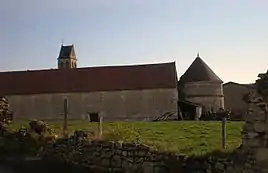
(233, 97)
(116, 105)
(209, 95)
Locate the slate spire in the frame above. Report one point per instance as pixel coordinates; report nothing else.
(67, 57)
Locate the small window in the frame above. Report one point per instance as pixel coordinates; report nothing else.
(94, 117)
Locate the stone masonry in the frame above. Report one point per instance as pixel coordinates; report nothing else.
(255, 132)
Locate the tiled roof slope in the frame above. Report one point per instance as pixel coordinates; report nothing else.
(199, 71)
(106, 78)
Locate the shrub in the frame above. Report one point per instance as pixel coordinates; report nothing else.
(39, 127)
(79, 135)
(5, 115)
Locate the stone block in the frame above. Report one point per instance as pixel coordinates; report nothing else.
(248, 171)
(251, 135)
(261, 127)
(161, 169)
(253, 142)
(248, 127)
(148, 167)
(265, 171)
(262, 155)
(255, 116)
(219, 166)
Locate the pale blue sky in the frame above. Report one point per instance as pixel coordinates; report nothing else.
(231, 35)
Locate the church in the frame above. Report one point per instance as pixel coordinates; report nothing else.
(117, 93)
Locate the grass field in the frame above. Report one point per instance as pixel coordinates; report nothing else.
(184, 137)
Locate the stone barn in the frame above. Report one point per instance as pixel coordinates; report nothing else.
(200, 85)
(117, 93)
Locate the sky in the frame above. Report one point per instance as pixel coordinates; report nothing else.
(230, 35)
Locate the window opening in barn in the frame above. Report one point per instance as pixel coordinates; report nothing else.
(61, 64)
(94, 117)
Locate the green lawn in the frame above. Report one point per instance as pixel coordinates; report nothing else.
(185, 137)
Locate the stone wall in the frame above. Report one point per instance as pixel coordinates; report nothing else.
(255, 131)
(132, 105)
(209, 95)
(255, 138)
(104, 156)
(107, 156)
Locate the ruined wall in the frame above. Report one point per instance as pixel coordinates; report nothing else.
(209, 95)
(115, 105)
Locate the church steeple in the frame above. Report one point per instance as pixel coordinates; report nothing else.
(67, 57)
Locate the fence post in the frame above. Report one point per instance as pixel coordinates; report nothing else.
(224, 131)
(100, 127)
(65, 120)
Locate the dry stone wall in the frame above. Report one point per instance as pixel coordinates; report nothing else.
(105, 156)
(255, 131)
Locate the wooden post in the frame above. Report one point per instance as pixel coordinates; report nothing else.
(100, 127)
(65, 121)
(224, 131)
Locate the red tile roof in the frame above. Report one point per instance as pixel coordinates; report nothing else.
(106, 78)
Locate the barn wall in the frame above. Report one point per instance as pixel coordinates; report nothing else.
(233, 97)
(209, 95)
(115, 105)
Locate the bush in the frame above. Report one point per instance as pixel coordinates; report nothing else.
(38, 127)
(5, 115)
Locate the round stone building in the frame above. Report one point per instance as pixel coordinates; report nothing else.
(200, 85)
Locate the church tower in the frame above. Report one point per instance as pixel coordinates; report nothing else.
(67, 58)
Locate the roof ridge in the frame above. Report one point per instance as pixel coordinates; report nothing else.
(91, 67)
(249, 85)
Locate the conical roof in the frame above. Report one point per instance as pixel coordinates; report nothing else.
(199, 71)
